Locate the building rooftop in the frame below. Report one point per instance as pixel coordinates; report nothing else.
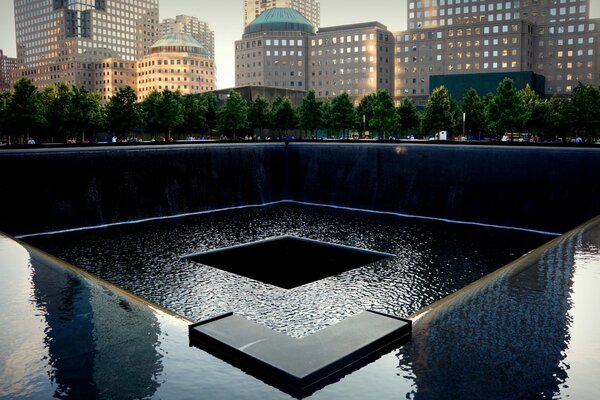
(279, 19)
(178, 42)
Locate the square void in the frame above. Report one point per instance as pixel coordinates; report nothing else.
(288, 261)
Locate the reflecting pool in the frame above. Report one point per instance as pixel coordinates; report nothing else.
(431, 259)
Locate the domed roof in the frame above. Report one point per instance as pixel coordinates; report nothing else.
(279, 19)
(178, 42)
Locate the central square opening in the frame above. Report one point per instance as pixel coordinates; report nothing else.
(288, 261)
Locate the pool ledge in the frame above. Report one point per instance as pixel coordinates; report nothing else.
(300, 366)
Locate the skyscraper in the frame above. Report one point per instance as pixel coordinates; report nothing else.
(7, 68)
(59, 40)
(474, 40)
(311, 9)
(195, 27)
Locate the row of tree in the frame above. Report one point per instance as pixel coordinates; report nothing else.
(62, 113)
(509, 110)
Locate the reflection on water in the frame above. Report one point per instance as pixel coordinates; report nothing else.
(530, 335)
(432, 260)
(581, 356)
(63, 337)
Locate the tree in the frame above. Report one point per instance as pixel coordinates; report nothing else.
(327, 122)
(5, 97)
(507, 112)
(194, 113)
(209, 101)
(84, 113)
(283, 115)
(385, 119)
(122, 112)
(171, 111)
(582, 108)
(309, 113)
(57, 102)
(473, 110)
(408, 116)
(364, 113)
(26, 109)
(150, 112)
(342, 114)
(259, 115)
(557, 121)
(233, 115)
(440, 112)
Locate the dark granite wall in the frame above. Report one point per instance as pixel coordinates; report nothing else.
(50, 190)
(543, 188)
(551, 189)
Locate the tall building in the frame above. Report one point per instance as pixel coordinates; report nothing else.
(192, 25)
(8, 65)
(281, 49)
(357, 59)
(311, 9)
(453, 40)
(178, 62)
(62, 40)
(272, 51)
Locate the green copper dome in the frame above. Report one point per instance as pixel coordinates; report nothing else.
(177, 42)
(279, 19)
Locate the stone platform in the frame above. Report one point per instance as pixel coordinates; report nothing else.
(301, 366)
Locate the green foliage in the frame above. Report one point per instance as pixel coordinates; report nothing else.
(122, 112)
(506, 111)
(408, 116)
(440, 111)
(84, 112)
(171, 111)
(385, 119)
(342, 114)
(5, 98)
(26, 108)
(582, 110)
(283, 115)
(473, 110)
(326, 116)
(259, 115)
(233, 115)
(309, 113)
(209, 101)
(194, 113)
(364, 113)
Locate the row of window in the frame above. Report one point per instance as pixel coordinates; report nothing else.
(346, 39)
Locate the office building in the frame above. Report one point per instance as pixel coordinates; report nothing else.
(8, 65)
(272, 51)
(281, 49)
(176, 62)
(357, 59)
(554, 39)
(192, 25)
(63, 40)
(310, 9)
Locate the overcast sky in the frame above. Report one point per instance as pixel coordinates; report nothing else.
(225, 18)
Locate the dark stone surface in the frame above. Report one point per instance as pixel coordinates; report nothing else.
(288, 261)
(549, 189)
(300, 366)
(544, 188)
(53, 189)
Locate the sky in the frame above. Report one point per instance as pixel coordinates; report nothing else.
(225, 17)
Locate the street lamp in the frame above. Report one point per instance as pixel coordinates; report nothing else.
(464, 121)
